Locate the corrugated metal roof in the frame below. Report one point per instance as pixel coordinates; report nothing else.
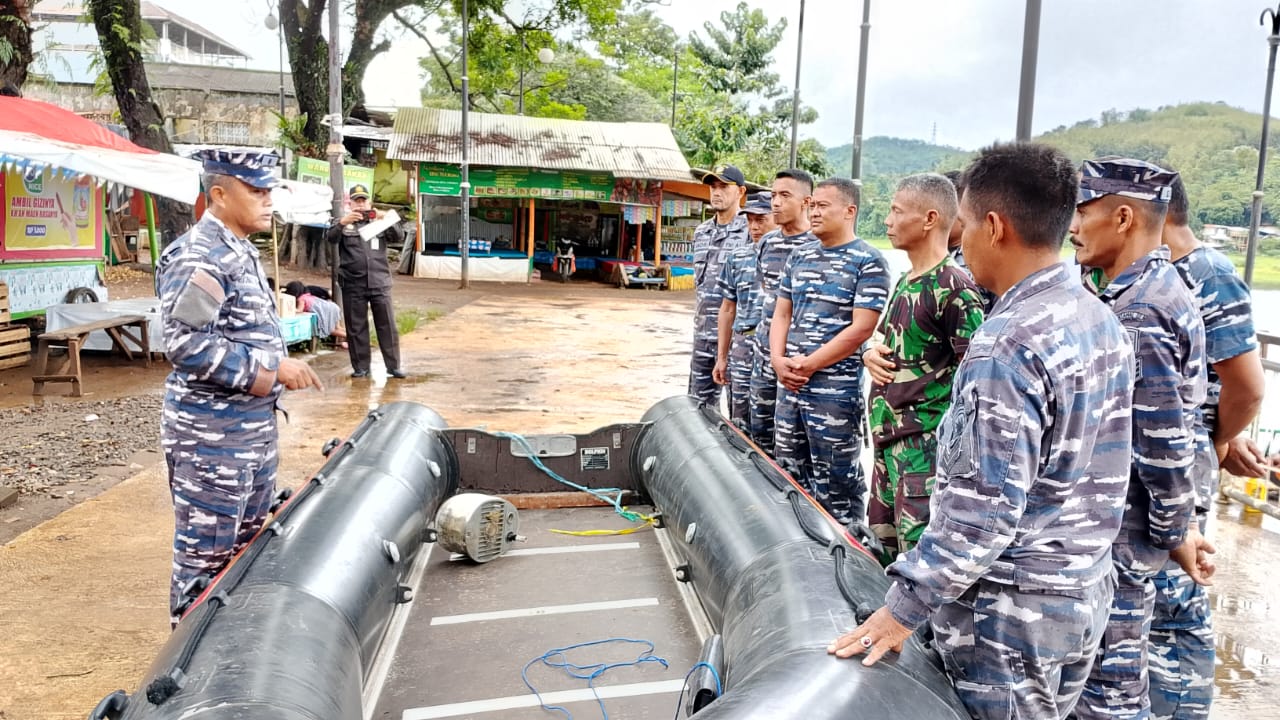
(636, 150)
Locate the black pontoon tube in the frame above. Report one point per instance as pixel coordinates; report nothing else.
(768, 588)
(288, 630)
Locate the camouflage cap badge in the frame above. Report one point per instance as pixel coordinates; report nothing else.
(252, 167)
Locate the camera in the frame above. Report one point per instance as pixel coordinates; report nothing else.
(369, 215)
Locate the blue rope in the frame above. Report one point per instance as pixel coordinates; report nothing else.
(615, 501)
(683, 688)
(586, 672)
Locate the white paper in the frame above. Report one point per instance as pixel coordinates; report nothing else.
(371, 231)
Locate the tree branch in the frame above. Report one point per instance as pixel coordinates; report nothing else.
(444, 66)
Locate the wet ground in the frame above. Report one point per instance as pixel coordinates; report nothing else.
(82, 591)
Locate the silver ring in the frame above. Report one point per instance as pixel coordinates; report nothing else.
(866, 642)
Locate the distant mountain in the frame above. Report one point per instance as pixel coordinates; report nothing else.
(892, 156)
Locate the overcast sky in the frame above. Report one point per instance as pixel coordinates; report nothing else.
(953, 64)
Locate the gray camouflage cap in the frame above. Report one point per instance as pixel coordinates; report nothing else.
(1137, 179)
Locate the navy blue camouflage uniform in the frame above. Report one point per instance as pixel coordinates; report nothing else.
(1181, 648)
(771, 256)
(1014, 570)
(1155, 306)
(818, 433)
(738, 285)
(712, 245)
(218, 428)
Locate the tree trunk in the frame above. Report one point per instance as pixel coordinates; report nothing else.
(119, 25)
(369, 16)
(15, 44)
(309, 62)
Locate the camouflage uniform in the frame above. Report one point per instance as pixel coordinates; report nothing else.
(218, 430)
(988, 298)
(771, 255)
(1158, 312)
(1015, 565)
(737, 284)
(927, 323)
(1181, 642)
(712, 244)
(818, 431)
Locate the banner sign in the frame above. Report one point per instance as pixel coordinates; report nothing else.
(436, 179)
(311, 170)
(49, 217)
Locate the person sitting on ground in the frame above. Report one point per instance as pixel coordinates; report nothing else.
(328, 314)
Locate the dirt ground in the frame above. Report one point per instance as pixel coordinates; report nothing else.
(84, 575)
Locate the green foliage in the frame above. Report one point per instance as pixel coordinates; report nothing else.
(895, 156)
(735, 60)
(293, 136)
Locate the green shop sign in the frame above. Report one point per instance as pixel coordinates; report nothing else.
(436, 179)
(315, 171)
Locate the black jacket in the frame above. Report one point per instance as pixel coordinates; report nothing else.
(360, 264)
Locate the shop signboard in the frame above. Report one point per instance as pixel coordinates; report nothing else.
(437, 179)
(311, 170)
(49, 217)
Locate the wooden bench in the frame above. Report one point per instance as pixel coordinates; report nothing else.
(73, 337)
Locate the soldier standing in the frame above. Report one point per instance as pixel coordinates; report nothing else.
(713, 241)
(931, 314)
(1117, 226)
(829, 299)
(792, 192)
(365, 279)
(737, 286)
(230, 366)
(1014, 570)
(1180, 647)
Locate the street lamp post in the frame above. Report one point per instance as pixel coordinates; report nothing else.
(1027, 86)
(274, 24)
(795, 95)
(1255, 215)
(545, 56)
(675, 79)
(464, 248)
(856, 170)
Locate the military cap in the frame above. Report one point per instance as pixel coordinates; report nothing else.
(726, 174)
(759, 204)
(1127, 177)
(253, 168)
(359, 191)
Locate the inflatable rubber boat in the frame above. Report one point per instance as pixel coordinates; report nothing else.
(379, 590)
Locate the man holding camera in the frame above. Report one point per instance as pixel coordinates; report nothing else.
(365, 279)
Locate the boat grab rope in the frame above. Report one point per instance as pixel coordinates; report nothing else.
(557, 658)
(602, 494)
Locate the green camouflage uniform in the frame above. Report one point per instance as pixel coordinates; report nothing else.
(927, 324)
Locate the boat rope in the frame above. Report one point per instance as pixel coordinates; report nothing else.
(557, 658)
(685, 687)
(602, 494)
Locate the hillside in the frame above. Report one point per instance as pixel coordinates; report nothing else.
(891, 156)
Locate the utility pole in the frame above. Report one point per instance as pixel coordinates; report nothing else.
(464, 248)
(1027, 87)
(795, 97)
(675, 78)
(1255, 215)
(524, 50)
(335, 150)
(862, 91)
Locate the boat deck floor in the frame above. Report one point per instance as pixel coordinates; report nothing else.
(458, 649)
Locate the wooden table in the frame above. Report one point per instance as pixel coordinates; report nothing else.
(73, 337)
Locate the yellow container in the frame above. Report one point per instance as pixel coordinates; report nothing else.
(1255, 488)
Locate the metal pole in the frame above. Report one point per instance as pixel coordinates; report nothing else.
(524, 50)
(1255, 215)
(675, 78)
(1027, 88)
(862, 87)
(465, 246)
(795, 97)
(335, 150)
(280, 44)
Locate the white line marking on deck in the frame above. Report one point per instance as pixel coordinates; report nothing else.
(550, 698)
(597, 547)
(544, 610)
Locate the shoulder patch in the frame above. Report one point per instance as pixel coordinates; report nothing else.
(200, 300)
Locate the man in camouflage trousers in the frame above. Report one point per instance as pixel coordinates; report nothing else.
(792, 191)
(1014, 571)
(230, 365)
(1180, 647)
(1117, 226)
(713, 241)
(829, 299)
(736, 329)
(931, 314)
